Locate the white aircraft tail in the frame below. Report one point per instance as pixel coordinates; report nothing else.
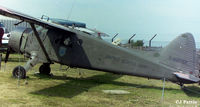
(181, 54)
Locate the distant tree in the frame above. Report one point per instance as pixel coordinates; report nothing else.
(137, 43)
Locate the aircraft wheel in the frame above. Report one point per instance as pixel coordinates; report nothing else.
(45, 69)
(19, 72)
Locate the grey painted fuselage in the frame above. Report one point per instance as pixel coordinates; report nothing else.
(85, 51)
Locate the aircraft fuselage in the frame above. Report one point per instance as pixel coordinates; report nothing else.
(84, 51)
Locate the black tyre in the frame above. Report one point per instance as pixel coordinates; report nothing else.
(19, 72)
(45, 69)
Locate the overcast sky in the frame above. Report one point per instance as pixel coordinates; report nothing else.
(167, 18)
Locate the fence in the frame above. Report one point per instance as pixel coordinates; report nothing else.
(9, 24)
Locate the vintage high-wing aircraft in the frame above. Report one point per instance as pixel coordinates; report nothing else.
(50, 43)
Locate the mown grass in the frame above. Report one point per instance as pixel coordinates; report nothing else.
(69, 88)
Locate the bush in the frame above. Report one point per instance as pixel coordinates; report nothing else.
(137, 43)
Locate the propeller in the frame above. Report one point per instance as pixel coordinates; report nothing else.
(7, 54)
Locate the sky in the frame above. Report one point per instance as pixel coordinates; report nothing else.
(166, 18)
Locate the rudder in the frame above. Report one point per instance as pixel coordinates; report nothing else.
(181, 54)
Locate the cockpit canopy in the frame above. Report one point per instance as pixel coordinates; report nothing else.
(64, 22)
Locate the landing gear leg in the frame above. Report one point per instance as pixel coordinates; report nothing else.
(45, 69)
(32, 61)
(181, 85)
(20, 72)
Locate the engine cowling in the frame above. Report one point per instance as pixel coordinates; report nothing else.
(16, 38)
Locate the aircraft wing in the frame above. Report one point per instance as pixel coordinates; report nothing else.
(20, 16)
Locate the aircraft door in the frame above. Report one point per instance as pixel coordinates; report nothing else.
(60, 45)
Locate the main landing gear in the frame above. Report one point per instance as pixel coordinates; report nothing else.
(181, 85)
(19, 72)
(45, 69)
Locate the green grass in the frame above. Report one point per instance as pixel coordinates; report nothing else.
(68, 88)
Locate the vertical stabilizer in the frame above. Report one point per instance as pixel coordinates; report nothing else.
(181, 54)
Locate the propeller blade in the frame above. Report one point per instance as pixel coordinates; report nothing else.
(7, 54)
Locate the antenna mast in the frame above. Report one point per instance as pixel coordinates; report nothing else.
(70, 12)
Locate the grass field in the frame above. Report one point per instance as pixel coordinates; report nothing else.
(69, 88)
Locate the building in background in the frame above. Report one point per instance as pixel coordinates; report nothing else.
(10, 24)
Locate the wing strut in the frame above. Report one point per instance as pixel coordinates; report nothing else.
(40, 42)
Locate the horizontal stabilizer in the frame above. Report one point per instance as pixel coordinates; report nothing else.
(186, 78)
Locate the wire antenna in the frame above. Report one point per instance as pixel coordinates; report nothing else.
(70, 12)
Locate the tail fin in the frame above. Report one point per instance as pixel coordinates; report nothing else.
(181, 54)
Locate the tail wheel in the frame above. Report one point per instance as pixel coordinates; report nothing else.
(45, 69)
(19, 72)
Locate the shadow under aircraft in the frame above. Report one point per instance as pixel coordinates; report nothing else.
(75, 86)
